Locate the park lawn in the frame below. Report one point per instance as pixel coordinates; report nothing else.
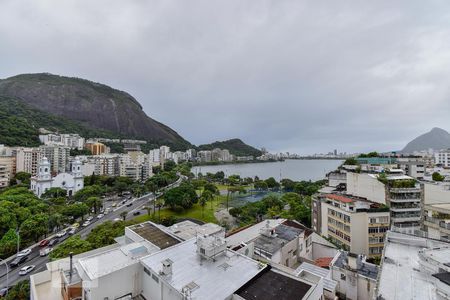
(194, 213)
(223, 187)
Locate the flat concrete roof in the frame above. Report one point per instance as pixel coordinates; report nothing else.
(402, 276)
(154, 235)
(214, 279)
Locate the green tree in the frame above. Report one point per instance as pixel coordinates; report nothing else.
(76, 210)
(104, 234)
(8, 243)
(159, 203)
(272, 183)
(73, 244)
(94, 203)
(34, 228)
(20, 291)
(437, 177)
(203, 202)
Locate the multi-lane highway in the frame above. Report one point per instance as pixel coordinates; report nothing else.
(137, 204)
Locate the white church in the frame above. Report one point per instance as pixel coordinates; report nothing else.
(72, 182)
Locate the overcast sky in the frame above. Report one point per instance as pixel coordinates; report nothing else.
(299, 76)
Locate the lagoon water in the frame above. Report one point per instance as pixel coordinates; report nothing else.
(295, 169)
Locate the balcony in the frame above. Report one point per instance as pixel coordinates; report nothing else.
(398, 199)
(405, 218)
(405, 190)
(437, 223)
(406, 209)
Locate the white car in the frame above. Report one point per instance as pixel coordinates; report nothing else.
(117, 219)
(24, 252)
(61, 233)
(72, 231)
(25, 270)
(86, 224)
(100, 216)
(45, 252)
(90, 218)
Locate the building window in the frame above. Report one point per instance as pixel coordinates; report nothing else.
(342, 276)
(155, 278)
(147, 271)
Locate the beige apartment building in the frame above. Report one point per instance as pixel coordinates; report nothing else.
(353, 223)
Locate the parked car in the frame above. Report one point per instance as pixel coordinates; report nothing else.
(24, 252)
(100, 216)
(61, 233)
(75, 225)
(17, 261)
(117, 219)
(43, 243)
(114, 204)
(4, 291)
(90, 218)
(53, 242)
(86, 224)
(72, 231)
(27, 269)
(136, 213)
(45, 252)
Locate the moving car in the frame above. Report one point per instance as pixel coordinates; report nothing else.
(53, 242)
(17, 261)
(24, 252)
(61, 233)
(129, 204)
(27, 269)
(45, 252)
(114, 204)
(136, 213)
(117, 219)
(43, 243)
(86, 224)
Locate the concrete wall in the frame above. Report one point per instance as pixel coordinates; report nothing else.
(436, 193)
(365, 186)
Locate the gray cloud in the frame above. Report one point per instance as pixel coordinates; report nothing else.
(302, 76)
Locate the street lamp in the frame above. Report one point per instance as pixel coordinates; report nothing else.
(7, 275)
(18, 239)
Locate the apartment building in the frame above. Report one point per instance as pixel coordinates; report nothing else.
(97, 148)
(402, 193)
(9, 166)
(4, 177)
(442, 158)
(74, 141)
(353, 223)
(149, 262)
(27, 160)
(280, 241)
(412, 166)
(57, 156)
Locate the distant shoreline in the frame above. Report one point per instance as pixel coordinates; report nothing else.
(220, 163)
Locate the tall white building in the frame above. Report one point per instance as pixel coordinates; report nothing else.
(58, 156)
(443, 158)
(27, 160)
(71, 182)
(74, 141)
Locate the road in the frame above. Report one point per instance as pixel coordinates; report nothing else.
(137, 204)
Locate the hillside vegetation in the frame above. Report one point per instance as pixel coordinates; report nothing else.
(235, 146)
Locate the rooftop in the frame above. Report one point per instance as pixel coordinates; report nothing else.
(252, 232)
(107, 262)
(270, 284)
(328, 283)
(188, 229)
(283, 235)
(363, 268)
(154, 235)
(402, 275)
(340, 198)
(216, 279)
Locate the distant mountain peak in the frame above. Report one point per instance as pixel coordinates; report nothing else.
(437, 138)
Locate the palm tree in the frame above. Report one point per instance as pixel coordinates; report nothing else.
(208, 196)
(203, 202)
(154, 189)
(94, 202)
(159, 203)
(124, 214)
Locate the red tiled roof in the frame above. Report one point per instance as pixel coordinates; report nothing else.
(323, 262)
(339, 198)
